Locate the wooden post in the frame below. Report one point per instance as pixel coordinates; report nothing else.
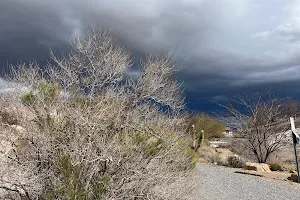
(295, 135)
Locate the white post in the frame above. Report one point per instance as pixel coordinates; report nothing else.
(295, 135)
(292, 124)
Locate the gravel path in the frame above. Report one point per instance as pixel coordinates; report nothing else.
(218, 183)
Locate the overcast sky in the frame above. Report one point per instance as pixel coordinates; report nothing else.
(228, 46)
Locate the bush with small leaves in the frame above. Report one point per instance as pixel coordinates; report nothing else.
(235, 162)
(72, 182)
(99, 134)
(27, 99)
(275, 167)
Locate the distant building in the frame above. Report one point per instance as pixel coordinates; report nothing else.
(228, 132)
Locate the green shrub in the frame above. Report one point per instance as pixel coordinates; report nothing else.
(202, 127)
(216, 159)
(80, 102)
(235, 162)
(27, 99)
(72, 182)
(189, 153)
(153, 146)
(211, 127)
(48, 91)
(275, 167)
(148, 145)
(118, 136)
(140, 138)
(45, 122)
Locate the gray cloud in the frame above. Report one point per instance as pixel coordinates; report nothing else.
(234, 43)
(290, 30)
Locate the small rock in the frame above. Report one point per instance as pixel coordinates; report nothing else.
(259, 167)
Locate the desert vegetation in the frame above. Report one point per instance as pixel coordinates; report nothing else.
(202, 128)
(93, 132)
(84, 128)
(263, 122)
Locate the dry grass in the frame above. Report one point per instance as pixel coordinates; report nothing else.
(280, 165)
(285, 158)
(209, 155)
(235, 162)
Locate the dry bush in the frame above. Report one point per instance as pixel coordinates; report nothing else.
(240, 146)
(209, 154)
(283, 160)
(9, 113)
(97, 135)
(275, 166)
(278, 165)
(235, 162)
(262, 123)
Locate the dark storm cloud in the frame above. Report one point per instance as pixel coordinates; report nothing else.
(225, 45)
(27, 32)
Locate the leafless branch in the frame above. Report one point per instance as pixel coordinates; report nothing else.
(84, 118)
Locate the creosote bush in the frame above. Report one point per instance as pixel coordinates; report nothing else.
(208, 154)
(27, 99)
(235, 162)
(202, 128)
(211, 127)
(275, 167)
(98, 134)
(72, 184)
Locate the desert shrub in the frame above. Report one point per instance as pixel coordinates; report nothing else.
(97, 135)
(49, 92)
(211, 127)
(80, 102)
(275, 167)
(72, 182)
(209, 154)
(283, 160)
(241, 147)
(277, 164)
(261, 120)
(235, 162)
(27, 99)
(237, 134)
(8, 117)
(288, 167)
(216, 159)
(202, 128)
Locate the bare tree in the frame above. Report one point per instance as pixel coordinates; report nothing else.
(97, 135)
(262, 121)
